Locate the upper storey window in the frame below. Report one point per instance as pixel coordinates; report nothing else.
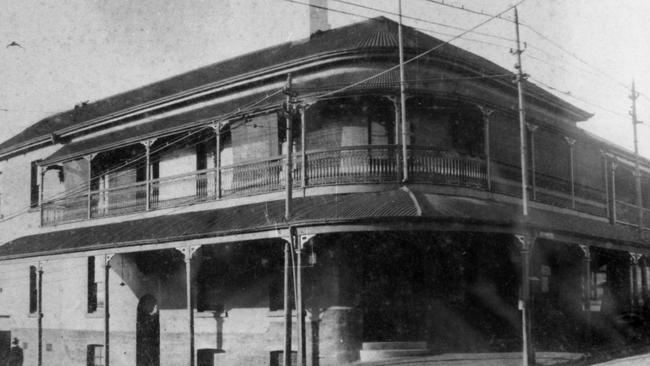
(350, 121)
(445, 125)
(34, 184)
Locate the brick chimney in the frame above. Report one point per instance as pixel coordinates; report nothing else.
(318, 16)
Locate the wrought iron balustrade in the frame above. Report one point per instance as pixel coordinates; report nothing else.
(367, 164)
(71, 208)
(118, 200)
(253, 177)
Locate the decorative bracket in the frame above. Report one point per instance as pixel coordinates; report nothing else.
(90, 157)
(304, 239)
(569, 140)
(532, 127)
(107, 259)
(634, 257)
(216, 126)
(188, 251)
(525, 242)
(487, 112)
(147, 143)
(586, 250)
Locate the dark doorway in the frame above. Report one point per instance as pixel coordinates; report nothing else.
(148, 332)
(5, 344)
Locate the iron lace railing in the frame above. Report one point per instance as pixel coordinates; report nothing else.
(371, 164)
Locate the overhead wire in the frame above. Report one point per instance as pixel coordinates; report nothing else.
(572, 54)
(597, 71)
(418, 56)
(440, 79)
(405, 16)
(432, 31)
(469, 10)
(566, 67)
(571, 95)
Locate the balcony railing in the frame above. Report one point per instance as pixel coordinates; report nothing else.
(346, 165)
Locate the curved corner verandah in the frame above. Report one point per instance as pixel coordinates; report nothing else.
(348, 141)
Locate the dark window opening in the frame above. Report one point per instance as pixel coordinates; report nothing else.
(33, 290)
(277, 358)
(446, 125)
(34, 186)
(467, 131)
(92, 286)
(95, 355)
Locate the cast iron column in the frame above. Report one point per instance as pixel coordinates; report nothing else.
(187, 256)
(40, 314)
(528, 353)
(107, 339)
(287, 304)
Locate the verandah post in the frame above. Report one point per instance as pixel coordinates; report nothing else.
(187, 253)
(107, 338)
(287, 304)
(40, 314)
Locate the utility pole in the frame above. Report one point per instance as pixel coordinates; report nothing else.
(519, 79)
(528, 354)
(405, 131)
(637, 170)
(288, 111)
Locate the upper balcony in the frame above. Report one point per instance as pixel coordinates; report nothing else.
(347, 141)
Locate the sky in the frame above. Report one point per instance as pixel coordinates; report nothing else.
(585, 51)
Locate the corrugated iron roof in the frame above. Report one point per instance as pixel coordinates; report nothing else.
(317, 210)
(191, 225)
(132, 135)
(492, 212)
(374, 33)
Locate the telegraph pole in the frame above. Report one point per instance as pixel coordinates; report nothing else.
(519, 79)
(528, 355)
(637, 170)
(288, 112)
